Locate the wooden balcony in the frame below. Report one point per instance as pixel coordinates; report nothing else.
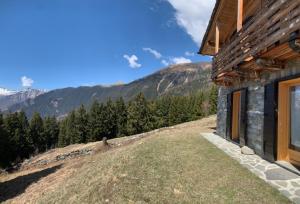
(264, 43)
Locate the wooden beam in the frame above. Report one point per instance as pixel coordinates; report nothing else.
(295, 45)
(270, 64)
(240, 15)
(217, 45)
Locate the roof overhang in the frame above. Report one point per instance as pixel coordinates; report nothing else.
(205, 38)
(224, 13)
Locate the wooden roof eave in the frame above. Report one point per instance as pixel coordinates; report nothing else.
(223, 15)
(211, 22)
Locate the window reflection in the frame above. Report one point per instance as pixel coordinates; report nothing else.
(295, 118)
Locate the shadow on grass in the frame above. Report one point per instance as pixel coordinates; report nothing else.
(12, 188)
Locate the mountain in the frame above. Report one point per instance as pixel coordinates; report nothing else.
(10, 98)
(6, 92)
(180, 79)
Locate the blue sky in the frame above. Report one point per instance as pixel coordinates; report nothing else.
(51, 44)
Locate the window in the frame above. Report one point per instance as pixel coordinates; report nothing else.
(295, 117)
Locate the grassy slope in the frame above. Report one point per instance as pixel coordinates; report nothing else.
(172, 166)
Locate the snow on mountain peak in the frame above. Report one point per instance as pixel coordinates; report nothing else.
(6, 92)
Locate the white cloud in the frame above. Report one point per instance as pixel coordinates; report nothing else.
(133, 61)
(189, 54)
(180, 60)
(193, 16)
(156, 54)
(165, 62)
(26, 82)
(175, 60)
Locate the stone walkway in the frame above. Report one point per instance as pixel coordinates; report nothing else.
(285, 181)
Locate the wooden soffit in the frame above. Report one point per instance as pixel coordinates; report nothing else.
(225, 16)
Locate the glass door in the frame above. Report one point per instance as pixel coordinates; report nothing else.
(295, 118)
(288, 140)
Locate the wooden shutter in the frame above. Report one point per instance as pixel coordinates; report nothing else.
(229, 116)
(243, 118)
(270, 122)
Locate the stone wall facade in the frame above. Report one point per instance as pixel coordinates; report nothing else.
(255, 104)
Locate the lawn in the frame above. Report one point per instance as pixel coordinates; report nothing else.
(173, 166)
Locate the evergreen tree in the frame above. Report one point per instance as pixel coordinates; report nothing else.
(121, 114)
(72, 132)
(25, 145)
(81, 122)
(139, 118)
(191, 106)
(96, 122)
(198, 108)
(63, 140)
(36, 132)
(11, 125)
(164, 109)
(110, 120)
(213, 100)
(153, 119)
(19, 139)
(5, 152)
(51, 132)
(178, 110)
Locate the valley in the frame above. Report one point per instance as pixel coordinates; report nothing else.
(182, 79)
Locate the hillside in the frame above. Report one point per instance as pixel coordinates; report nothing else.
(170, 165)
(176, 80)
(9, 98)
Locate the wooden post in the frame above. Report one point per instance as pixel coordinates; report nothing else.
(240, 15)
(217, 38)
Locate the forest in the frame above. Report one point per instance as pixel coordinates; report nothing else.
(21, 138)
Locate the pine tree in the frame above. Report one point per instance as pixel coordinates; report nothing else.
(36, 132)
(11, 125)
(153, 119)
(51, 132)
(191, 106)
(178, 110)
(139, 118)
(96, 122)
(213, 100)
(81, 122)
(174, 112)
(199, 112)
(121, 114)
(72, 131)
(5, 152)
(63, 139)
(19, 139)
(25, 147)
(110, 120)
(162, 110)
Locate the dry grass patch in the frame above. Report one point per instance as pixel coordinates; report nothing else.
(173, 166)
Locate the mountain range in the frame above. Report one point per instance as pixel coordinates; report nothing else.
(9, 98)
(182, 79)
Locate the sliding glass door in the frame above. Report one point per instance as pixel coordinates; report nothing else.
(295, 118)
(289, 121)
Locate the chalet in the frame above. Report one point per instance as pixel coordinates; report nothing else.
(255, 46)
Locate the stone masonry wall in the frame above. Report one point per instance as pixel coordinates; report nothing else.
(255, 107)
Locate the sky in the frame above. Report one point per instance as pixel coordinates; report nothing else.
(50, 44)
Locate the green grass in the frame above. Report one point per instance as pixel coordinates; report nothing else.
(176, 166)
